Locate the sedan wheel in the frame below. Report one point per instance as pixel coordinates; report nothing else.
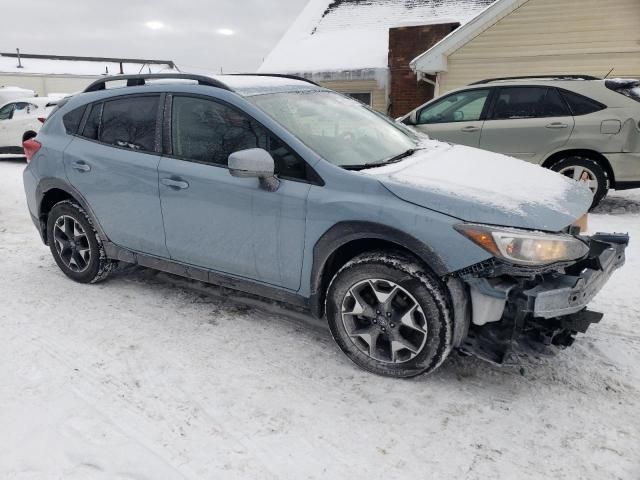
(587, 171)
(581, 174)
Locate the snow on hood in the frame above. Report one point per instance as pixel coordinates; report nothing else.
(480, 186)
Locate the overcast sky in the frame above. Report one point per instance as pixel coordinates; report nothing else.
(207, 34)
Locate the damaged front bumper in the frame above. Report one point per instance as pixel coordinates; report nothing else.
(514, 307)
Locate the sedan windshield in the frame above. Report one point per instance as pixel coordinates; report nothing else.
(341, 130)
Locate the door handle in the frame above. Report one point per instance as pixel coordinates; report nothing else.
(557, 125)
(80, 166)
(470, 129)
(175, 184)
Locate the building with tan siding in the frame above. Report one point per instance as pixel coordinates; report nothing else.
(538, 37)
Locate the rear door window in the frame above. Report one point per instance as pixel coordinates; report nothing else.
(528, 102)
(130, 122)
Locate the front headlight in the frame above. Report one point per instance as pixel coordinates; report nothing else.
(525, 247)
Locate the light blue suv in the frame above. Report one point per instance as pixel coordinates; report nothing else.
(273, 185)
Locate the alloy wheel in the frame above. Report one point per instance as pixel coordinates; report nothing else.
(384, 321)
(72, 244)
(581, 174)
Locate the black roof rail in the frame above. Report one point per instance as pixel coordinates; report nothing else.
(277, 75)
(533, 77)
(140, 79)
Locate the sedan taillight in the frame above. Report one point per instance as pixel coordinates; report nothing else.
(31, 147)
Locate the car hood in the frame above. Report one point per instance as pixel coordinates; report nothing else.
(484, 187)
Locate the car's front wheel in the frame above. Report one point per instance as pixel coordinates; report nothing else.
(389, 316)
(589, 172)
(75, 245)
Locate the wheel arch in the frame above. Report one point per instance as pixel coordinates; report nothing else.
(51, 191)
(346, 240)
(585, 153)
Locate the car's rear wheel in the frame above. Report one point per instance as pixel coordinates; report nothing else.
(75, 245)
(389, 316)
(588, 171)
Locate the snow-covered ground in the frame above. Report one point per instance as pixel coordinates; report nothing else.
(147, 376)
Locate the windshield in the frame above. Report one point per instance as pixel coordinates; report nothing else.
(342, 131)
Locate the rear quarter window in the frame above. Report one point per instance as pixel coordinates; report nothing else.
(72, 120)
(581, 105)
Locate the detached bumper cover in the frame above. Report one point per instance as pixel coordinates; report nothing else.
(567, 294)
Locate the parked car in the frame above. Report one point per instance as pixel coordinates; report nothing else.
(11, 93)
(585, 128)
(410, 248)
(19, 116)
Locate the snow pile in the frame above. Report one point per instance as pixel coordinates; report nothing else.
(150, 377)
(11, 93)
(353, 35)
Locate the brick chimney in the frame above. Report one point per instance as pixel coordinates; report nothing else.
(405, 44)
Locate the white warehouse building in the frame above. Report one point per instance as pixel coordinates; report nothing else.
(46, 74)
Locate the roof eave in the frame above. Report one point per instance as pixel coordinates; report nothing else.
(435, 60)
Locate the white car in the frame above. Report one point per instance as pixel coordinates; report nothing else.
(11, 93)
(19, 116)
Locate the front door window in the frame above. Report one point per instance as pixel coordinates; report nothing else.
(459, 107)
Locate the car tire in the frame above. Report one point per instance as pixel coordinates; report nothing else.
(75, 245)
(389, 315)
(574, 167)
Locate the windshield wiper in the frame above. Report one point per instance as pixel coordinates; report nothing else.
(394, 159)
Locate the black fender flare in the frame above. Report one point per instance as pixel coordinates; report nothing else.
(47, 184)
(345, 232)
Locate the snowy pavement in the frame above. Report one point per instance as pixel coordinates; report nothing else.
(147, 376)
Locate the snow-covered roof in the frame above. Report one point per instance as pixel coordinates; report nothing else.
(334, 35)
(248, 85)
(434, 60)
(84, 66)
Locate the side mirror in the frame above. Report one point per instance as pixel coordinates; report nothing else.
(413, 118)
(458, 116)
(254, 163)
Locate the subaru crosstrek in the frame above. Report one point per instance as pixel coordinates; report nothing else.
(410, 248)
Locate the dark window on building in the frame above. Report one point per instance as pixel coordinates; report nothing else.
(130, 123)
(361, 97)
(528, 102)
(581, 105)
(92, 126)
(72, 120)
(208, 132)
